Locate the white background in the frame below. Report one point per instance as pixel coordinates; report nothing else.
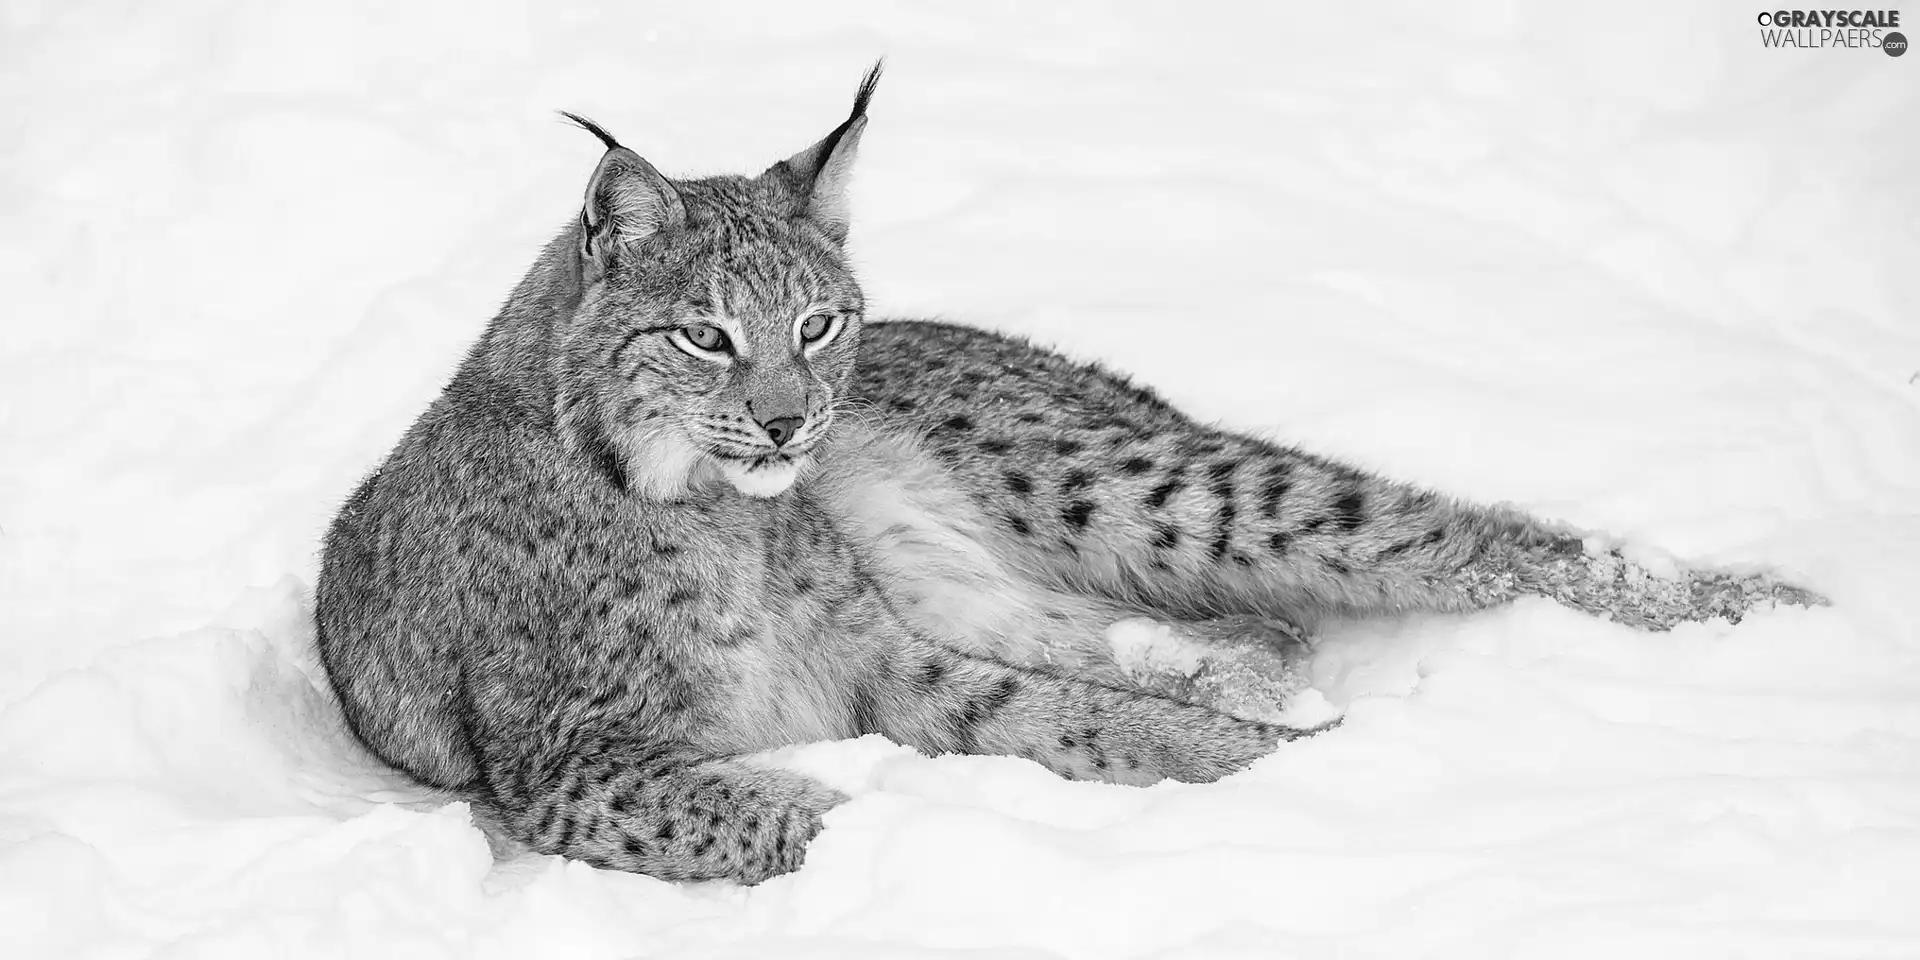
(1619, 265)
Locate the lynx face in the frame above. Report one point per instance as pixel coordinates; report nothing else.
(718, 320)
(732, 339)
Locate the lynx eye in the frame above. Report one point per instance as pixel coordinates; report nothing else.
(706, 337)
(815, 328)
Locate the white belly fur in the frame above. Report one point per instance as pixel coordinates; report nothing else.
(930, 542)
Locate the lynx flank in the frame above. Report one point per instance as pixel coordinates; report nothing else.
(682, 503)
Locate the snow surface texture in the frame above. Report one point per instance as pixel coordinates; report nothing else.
(1620, 265)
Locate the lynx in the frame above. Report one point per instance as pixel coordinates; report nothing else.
(682, 503)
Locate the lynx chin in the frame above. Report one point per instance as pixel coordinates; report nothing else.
(683, 502)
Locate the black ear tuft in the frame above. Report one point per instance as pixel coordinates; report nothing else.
(813, 182)
(612, 144)
(860, 101)
(867, 83)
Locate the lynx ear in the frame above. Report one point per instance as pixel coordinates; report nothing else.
(815, 179)
(627, 199)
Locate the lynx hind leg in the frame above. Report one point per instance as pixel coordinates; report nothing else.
(942, 701)
(1630, 594)
(1607, 583)
(1246, 667)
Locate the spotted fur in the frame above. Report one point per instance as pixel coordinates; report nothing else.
(608, 562)
(1089, 484)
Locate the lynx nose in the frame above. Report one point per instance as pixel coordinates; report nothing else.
(781, 429)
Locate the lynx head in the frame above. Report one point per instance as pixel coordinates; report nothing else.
(718, 320)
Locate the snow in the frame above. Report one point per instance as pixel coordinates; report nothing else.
(1621, 266)
(1144, 647)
